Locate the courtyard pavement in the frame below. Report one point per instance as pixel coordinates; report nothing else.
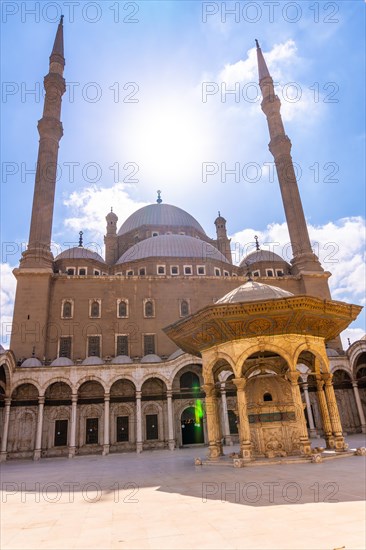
(159, 500)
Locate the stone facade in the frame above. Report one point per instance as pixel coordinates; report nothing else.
(91, 369)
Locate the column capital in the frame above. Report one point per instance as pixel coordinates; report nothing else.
(209, 389)
(169, 393)
(305, 386)
(138, 394)
(41, 399)
(7, 401)
(74, 398)
(107, 396)
(293, 376)
(240, 383)
(355, 383)
(319, 383)
(328, 377)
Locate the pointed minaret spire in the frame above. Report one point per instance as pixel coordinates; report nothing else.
(58, 46)
(38, 253)
(280, 146)
(263, 71)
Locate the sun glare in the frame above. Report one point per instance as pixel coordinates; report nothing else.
(171, 140)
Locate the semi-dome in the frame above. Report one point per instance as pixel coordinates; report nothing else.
(31, 362)
(177, 353)
(79, 252)
(254, 292)
(61, 362)
(160, 214)
(261, 256)
(174, 246)
(93, 360)
(332, 352)
(151, 358)
(121, 360)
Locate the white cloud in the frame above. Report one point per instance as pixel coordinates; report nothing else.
(353, 334)
(89, 207)
(340, 246)
(7, 297)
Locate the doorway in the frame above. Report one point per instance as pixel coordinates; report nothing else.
(192, 427)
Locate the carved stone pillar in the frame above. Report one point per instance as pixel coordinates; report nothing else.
(213, 422)
(4, 440)
(138, 423)
(313, 432)
(244, 428)
(359, 407)
(171, 442)
(334, 413)
(225, 417)
(38, 449)
(327, 426)
(106, 424)
(305, 446)
(72, 444)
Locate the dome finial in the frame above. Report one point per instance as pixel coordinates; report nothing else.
(159, 200)
(34, 351)
(80, 238)
(257, 247)
(111, 208)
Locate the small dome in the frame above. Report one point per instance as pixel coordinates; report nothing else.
(254, 292)
(160, 214)
(93, 360)
(111, 217)
(332, 352)
(121, 359)
(31, 362)
(61, 362)
(178, 352)
(261, 256)
(152, 358)
(174, 246)
(79, 252)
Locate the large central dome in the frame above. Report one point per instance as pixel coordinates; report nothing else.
(160, 214)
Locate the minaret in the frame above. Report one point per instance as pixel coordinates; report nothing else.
(38, 253)
(223, 243)
(304, 260)
(110, 239)
(34, 275)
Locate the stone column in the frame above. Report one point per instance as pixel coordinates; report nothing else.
(38, 450)
(4, 440)
(213, 422)
(334, 413)
(225, 417)
(106, 424)
(72, 444)
(327, 427)
(359, 407)
(244, 428)
(313, 432)
(138, 422)
(305, 446)
(171, 442)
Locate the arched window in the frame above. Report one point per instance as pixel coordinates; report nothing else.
(189, 381)
(267, 397)
(149, 309)
(67, 310)
(184, 308)
(95, 309)
(122, 309)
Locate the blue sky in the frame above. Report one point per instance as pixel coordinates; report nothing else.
(139, 105)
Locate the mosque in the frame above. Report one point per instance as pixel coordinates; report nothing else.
(164, 342)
